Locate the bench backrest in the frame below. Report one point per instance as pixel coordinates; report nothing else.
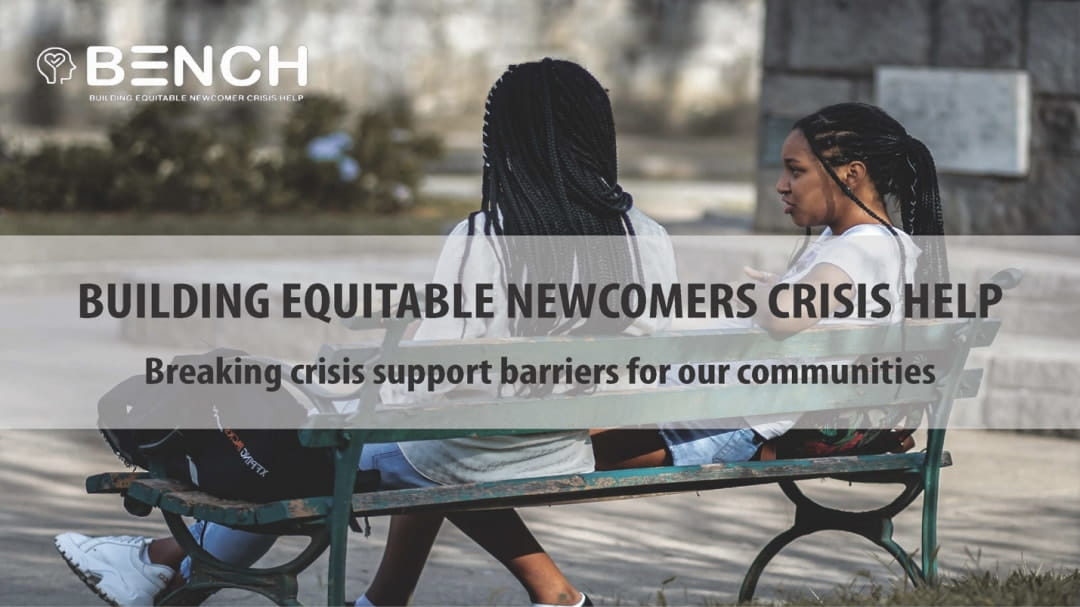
(944, 343)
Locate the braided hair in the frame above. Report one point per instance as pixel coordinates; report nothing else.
(900, 167)
(550, 169)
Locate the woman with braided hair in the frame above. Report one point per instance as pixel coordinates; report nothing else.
(841, 165)
(550, 170)
(896, 166)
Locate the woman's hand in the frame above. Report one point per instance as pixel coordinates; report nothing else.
(765, 281)
(821, 276)
(760, 276)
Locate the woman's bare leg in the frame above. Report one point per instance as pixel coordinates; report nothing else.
(501, 533)
(504, 535)
(166, 551)
(618, 449)
(408, 544)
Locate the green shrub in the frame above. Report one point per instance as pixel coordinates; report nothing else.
(168, 157)
(388, 151)
(56, 178)
(187, 158)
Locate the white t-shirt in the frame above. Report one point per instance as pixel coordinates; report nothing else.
(869, 254)
(467, 460)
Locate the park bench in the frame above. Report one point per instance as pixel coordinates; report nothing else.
(327, 520)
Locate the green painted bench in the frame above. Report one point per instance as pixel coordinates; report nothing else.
(327, 520)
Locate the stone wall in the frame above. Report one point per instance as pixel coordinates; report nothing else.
(819, 52)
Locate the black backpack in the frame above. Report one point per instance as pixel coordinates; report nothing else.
(139, 422)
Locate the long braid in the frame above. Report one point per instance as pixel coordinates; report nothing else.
(802, 249)
(925, 218)
(550, 169)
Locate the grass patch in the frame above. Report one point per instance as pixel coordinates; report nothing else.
(1020, 587)
(428, 217)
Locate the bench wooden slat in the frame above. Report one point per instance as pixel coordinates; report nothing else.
(638, 407)
(679, 346)
(623, 483)
(180, 498)
(113, 482)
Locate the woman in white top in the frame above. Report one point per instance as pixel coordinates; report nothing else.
(841, 164)
(550, 170)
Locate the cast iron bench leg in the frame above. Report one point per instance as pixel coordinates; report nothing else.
(874, 525)
(346, 459)
(208, 574)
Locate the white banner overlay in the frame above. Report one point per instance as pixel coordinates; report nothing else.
(550, 334)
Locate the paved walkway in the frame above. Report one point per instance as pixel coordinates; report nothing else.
(1009, 501)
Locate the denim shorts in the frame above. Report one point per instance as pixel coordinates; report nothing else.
(695, 447)
(395, 471)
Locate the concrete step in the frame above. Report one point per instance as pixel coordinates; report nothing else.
(1030, 382)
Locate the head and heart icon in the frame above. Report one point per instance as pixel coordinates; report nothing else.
(55, 64)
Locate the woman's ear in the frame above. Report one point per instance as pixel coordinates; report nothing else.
(853, 174)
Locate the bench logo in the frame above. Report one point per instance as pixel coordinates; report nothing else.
(55, 65)
(159, 65)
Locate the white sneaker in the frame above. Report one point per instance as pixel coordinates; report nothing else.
(114, 567)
